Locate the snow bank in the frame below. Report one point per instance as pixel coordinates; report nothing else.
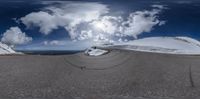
(172, 45)
(5, 49)
(95, 52)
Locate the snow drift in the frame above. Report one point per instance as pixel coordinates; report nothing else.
(5, 49)
(95, 52)
(171, 45)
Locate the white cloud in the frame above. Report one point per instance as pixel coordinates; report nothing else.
(66, 15)
(107, 24)
(162, 23)
(41, 19)
(140, 22)
(159, 6)
(88, 20)
(53, 42)
(14, 36)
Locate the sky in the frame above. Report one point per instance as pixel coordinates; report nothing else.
(78, 24)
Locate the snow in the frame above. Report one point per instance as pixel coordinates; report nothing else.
(95, 52)
(171, 45)
(5, 49)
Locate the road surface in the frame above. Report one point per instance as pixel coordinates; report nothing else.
(116, 75)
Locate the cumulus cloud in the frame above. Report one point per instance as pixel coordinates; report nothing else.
(89, 20)
(41, 19)
(66, 15)
(135, 24)
(140, 22)
(14, 36)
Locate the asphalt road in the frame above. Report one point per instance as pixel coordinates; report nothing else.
(117, 75)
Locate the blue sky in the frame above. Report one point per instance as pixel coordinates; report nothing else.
(74, 25)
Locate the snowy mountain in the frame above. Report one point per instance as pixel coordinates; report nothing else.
(5, 49)
(172, 45)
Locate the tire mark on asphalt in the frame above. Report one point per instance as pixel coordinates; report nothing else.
(89, 68)
(190, 76)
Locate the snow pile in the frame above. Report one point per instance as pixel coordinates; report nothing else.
(172, 45)
(5, 49)
(95, 52)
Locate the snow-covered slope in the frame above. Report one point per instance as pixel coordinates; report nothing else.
(173, 45)
(95, 52)
(5, 49)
